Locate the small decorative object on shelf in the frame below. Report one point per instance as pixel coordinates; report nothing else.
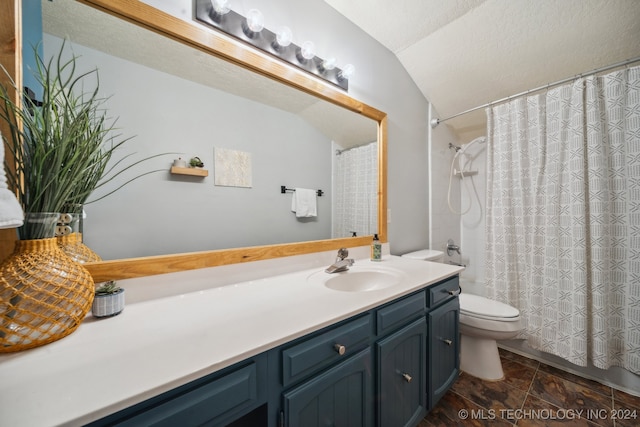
(179, 163)
(195, 162)
(108, 300)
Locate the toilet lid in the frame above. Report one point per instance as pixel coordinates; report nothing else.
(424, 254)
(486, 308)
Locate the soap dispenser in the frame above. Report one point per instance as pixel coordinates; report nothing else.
(376, 249)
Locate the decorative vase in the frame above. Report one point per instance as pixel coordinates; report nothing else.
(44, 295)
(69, 230)
(72, 245)
(108, 305)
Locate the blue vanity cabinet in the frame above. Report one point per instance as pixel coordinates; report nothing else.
(339, 396)
(442, 292)
(327, 376)
(215, 400)
(444, 339)
(402, 376)
(386, 367)
(386, 390)
(321, 350)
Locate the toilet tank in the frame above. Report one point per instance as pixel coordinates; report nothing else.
(426, 255)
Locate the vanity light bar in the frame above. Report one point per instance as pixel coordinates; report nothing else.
(302, 57)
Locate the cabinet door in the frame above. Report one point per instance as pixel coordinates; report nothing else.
(402, 376)
(340, 397)
(444, 349)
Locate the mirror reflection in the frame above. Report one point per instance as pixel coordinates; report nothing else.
(253, 135)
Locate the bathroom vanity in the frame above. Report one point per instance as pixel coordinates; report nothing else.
(280, 350)
(390, 364)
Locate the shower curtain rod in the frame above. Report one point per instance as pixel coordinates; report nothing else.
(436, 122)
(338, 151)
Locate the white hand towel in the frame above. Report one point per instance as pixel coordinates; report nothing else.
(11, 215)
(303, 203)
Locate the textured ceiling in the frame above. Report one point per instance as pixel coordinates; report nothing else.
(465, 53)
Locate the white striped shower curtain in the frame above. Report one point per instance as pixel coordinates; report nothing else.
(563, 217)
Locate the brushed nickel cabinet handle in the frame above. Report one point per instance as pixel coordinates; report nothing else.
(340, 349)
(448, 342)
(407, 377)
(455, 293)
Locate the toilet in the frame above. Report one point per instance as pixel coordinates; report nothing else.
(482, 323)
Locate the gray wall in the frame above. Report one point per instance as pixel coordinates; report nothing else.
(162, 213)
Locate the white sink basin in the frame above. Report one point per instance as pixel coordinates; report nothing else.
(359, 279)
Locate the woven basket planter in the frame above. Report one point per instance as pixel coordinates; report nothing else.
(72, 245)
(44, 295)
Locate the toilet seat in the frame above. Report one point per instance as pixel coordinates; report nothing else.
(483, 308)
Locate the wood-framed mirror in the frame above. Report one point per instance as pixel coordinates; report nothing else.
(213, 43)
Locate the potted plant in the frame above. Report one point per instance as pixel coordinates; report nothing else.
(195, 162)
(60, 146)
(108, 300)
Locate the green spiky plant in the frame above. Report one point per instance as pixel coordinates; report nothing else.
(62, 146)
(108, 288)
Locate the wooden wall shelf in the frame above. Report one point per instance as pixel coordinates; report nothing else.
(189, 171)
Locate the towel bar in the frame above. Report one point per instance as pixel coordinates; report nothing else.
(284, 189)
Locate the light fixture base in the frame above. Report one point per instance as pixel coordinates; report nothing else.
(232, 24)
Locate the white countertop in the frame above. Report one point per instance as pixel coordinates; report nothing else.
(156, 345)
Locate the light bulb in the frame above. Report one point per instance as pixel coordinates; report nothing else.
(308, 50)
(255, 20)
(329, 63)
(284, 36)
(347, 71)
(221, 7)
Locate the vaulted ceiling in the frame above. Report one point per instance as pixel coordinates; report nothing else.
(466, 53)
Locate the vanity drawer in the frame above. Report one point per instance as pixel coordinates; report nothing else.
(328, 347)
(399, 313)
(206, 401)
(443, 291)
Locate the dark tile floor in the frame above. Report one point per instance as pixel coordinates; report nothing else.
(533, 394)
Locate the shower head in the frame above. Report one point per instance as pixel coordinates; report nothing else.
(479, 140)
(455, 147)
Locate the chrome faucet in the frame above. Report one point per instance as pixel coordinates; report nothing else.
(452, 247)
(342, 263)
